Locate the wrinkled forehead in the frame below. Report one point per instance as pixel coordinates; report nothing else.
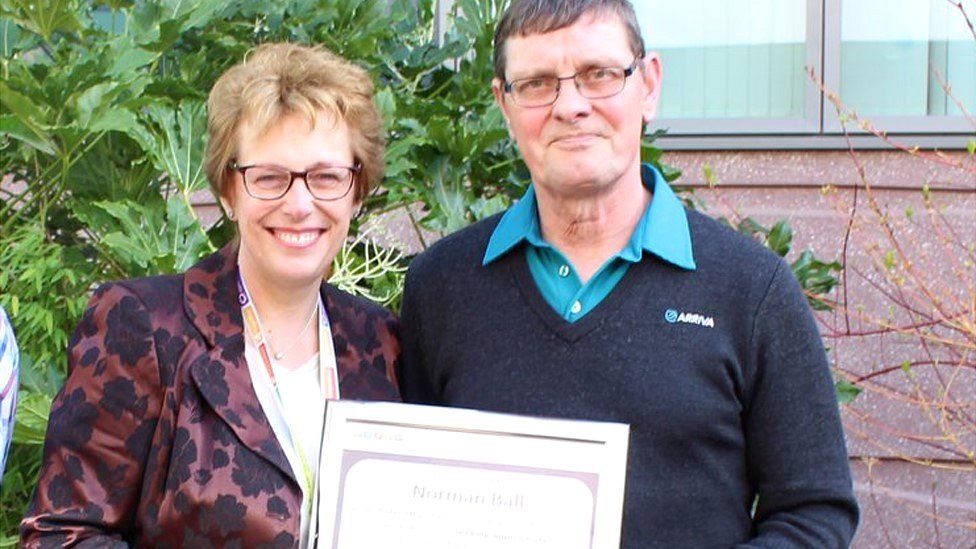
(526, 18)
(594, 39)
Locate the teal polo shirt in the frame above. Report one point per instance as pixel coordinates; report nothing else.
(662, 231)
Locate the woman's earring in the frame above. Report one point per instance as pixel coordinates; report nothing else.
(230, 214)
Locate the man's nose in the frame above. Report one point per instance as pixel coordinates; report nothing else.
(570, 103)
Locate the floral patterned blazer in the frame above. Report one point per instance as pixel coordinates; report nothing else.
(158, 439)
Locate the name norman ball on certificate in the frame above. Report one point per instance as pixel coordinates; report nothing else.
(427, 477)
(466, 498)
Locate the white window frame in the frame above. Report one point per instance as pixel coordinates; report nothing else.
(820, 127)
(892, 124)
(807, 124)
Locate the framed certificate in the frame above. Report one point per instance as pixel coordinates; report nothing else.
(427, 477)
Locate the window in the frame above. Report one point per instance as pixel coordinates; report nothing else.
(894, 73)
(740, 68)
(737, 72)
(734, 67)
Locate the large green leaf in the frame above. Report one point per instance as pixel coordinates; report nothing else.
(780, 238)
(157, 25)
(129, 58)
(39, 377)
(32, 414)
(12, 39)
(113, 169)
(17, 128)
(816, 277)
(43, 17)
(119, 119)
(94, 99)
(27, 120)
(145, 237)
(448, 196)
(174, 140)
(185, 239)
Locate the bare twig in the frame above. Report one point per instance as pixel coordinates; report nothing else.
(948, 91)
(937, 315)
(965, 16)
(844, 112)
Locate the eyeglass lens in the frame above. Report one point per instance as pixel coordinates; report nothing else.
(270, 182)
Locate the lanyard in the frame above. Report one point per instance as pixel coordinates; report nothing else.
(328, 376)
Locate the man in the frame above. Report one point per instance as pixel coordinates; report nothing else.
(9, 366)
(598, 296)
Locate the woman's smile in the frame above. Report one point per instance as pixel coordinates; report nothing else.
(295, 238)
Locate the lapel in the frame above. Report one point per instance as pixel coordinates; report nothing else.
(365, 352)
(339, 311)
(221, 376)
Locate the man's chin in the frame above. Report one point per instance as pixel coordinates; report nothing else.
(578, 179)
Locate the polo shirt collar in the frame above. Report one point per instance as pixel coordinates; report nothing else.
(663, 229)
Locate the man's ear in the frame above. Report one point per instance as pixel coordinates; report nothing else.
(498, 90)
(652, 75)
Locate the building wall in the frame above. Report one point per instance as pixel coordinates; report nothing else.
(911, 434)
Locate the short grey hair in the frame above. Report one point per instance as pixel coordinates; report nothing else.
(525, 17)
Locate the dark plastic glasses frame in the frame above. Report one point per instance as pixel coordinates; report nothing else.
(507, 86)
(233, 165)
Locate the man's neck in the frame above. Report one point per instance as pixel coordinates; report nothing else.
(590, 229)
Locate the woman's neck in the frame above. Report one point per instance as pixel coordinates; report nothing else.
(284, 311)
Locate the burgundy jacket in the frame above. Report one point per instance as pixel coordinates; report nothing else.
(158, 439)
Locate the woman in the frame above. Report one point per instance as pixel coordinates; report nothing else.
(192, 412)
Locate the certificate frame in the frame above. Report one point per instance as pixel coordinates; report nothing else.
(437, 477)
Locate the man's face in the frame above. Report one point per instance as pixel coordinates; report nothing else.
(577, 146)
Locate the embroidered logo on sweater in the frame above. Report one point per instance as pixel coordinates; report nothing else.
(672, 317)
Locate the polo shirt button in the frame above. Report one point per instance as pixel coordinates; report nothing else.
(564, 271)
(576, 308)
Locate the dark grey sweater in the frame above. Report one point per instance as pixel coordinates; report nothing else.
(720, 373)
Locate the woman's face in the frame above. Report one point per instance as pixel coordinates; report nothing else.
(292, 240)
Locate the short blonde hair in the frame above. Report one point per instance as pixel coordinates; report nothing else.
(276, 80)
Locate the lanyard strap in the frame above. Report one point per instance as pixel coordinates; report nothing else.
(328, 375)
(252, 323)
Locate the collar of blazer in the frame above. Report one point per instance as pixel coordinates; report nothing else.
(221, 374)
(210, 303)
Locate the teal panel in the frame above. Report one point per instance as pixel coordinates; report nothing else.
(895, 78)
(960, 72)
(758, 84)
(716, 82)
(756, 81)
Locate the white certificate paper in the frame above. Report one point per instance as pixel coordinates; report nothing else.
(426, 477)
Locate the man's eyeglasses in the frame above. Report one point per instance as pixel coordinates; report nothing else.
(269, 182)
(595, 83)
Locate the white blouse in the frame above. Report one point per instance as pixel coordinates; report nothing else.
(302, 416)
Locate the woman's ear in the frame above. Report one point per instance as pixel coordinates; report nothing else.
(228, 209)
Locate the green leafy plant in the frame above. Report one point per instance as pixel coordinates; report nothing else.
(364, 268)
